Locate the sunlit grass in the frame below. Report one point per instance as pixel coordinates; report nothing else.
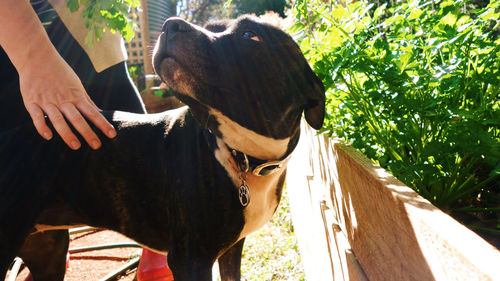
(272, 253)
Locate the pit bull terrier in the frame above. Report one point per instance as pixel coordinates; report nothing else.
(191, 182)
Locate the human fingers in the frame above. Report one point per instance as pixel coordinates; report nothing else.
(36, 114)
(60, 125)
(89, 110)
(80, 124)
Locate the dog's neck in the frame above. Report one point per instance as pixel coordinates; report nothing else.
(237, 145)
(247, 141)
(239, 165)
(263, 192)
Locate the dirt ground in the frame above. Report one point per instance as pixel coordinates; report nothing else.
(94, 265)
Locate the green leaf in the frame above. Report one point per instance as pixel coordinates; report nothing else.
(415, 14)
(339, 12)
(450, 19)
(405, 59)
(73, 5)
(489, 14)
(296, 27)
(89, 40)
(379, 12)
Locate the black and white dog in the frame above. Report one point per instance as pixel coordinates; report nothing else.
(191, 182)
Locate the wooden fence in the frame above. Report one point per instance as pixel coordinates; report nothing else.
(355, 221)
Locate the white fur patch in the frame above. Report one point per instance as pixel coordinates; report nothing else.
(223, 155)
(247, 141)
(263, 199)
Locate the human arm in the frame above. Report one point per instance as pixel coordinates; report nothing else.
(48, 84)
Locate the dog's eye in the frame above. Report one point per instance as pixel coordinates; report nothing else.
(250, 35)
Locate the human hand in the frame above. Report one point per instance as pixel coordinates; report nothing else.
(50, 86)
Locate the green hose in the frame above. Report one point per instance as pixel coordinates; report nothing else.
(103, 247)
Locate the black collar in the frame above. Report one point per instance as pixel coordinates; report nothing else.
(251, 164)
(261, 167)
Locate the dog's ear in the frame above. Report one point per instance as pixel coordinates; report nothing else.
(314, 92)
(217, 26)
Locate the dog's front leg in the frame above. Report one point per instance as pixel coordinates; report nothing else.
(45, 254)
(189, 268)
(230, 262)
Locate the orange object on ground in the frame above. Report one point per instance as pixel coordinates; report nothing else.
(153, 267)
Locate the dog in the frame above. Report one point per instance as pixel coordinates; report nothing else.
(191, 182)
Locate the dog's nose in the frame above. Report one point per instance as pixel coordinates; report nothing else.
(176, 25)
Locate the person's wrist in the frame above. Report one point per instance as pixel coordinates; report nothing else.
(38, 52)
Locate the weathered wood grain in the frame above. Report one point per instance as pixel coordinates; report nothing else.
(355, 221)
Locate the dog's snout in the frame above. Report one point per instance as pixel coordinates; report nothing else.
(176, 25)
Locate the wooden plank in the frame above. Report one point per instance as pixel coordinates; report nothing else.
(354, 221)
(325, 251)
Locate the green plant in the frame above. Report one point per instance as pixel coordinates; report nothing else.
(102, 14)
(135, 72)
(416, 88)
(260, 7)
(271, 253)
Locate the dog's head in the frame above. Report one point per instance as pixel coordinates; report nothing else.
(240, 73)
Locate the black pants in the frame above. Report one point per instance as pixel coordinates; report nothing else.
(111, 89)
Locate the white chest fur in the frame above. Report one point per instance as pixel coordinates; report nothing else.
(247, 141)
(263, 200)
(263, 197)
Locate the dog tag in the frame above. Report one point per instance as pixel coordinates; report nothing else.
(244, 194)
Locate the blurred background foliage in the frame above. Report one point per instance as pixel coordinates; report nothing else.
(113, 14)
(201, 11)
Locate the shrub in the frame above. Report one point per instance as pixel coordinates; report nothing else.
(415, 87)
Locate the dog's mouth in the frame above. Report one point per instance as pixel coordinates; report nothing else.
(167, 68)
(180, 75)
(172, 72)
(164, 63)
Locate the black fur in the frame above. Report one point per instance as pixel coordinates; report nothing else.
(166, 200)
(159, 182)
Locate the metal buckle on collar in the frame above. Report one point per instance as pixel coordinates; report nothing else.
(264, 169)
(267, 168)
